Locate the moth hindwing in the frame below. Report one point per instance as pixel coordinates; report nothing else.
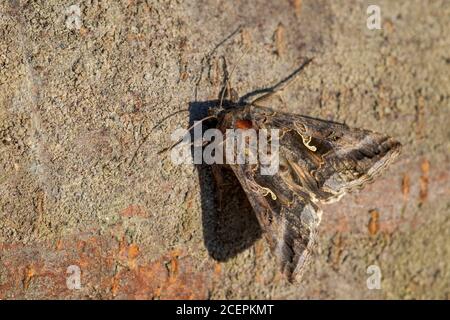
(319, 161)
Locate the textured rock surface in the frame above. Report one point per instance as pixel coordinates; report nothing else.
(79, 96)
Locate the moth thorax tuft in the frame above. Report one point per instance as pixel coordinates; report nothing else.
(243, 124)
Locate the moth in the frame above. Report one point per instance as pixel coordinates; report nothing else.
(319, 162)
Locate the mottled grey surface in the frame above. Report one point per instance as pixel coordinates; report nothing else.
(76, 104)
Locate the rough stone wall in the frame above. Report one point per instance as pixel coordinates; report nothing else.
(84, 98)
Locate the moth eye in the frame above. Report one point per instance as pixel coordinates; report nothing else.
(283, 168)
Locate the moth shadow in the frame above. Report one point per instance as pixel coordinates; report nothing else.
(234, 227)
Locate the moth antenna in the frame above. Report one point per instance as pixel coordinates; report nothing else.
(211, 53)
(188, 129)
(175, 144)
(187, 110)
(152, 129)
(228, 80)
(277, 88)
(200, 121)
(169, 116)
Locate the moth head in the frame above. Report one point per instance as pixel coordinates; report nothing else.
(233, 117)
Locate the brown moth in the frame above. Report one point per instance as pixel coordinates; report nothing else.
(319, 162)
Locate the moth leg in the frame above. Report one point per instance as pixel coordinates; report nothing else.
(280, 86)
(269, 95)
(227, 92)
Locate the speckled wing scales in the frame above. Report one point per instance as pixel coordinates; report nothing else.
(319, 162)
(326, 159)
(288, 218)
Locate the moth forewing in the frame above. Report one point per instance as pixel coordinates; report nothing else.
(269, 159)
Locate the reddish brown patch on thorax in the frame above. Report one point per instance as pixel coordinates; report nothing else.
(243, 124)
